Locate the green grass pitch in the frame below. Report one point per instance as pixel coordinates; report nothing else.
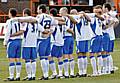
(113, 78)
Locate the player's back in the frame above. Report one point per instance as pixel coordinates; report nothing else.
(13, 27)
(30, 34)
(96, 26)
(58, 35)
(46, 21)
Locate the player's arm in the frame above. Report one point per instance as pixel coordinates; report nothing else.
(59, 19)
(72, 19)
(56, 22)
(86, 16)
(26, 19)
(68, 28)
(17, 33)
(100, 17)
(61, 23)
(116, 22)
(22, 30)
(7, 33)
(48, 33)
(70, 31)
(109, 24)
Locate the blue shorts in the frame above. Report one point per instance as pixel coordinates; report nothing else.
(111, 46)
(105, 42)
(14, 48)
(57, 51)
(96, 44)
(68, 45)
(29, 53)
(82, 46)
(44, 47)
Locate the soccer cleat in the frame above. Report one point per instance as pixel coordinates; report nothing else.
(29, 79)
(43, 78)
(112, 72)
(66, 76)
(84, 75)
(53, 77)
(72, 76)
(17, 79)
(33, 78)
(78, 75)
(9, 79)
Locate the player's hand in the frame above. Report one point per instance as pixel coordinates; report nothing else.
(45, 35)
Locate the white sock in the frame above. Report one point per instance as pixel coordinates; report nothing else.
(72, 65)
(33, 68)
(29, 69)
(60, 68)
(47, 66)
(18, 69)
(43, 66)
(53, 67)
(66, 67)
(111, 63)
(11, 70)
(80, 64)
(85, 65)
(99, 63)
(104, 64)
(93, 63)
(108, 64)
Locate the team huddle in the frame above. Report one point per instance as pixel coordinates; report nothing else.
(53, 35)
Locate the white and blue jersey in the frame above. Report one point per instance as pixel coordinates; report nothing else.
(83, 33)
(30, 36)
(46, 22)
(58, 41)
(109, 31)
(13, 43)
(96, 41)
(43, 43)
(68, 37)
(58, 35)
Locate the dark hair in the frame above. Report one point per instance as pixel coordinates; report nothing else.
(27, 11)
(43, 7)
(53, 11)
(108, 6)
(13, 11)
(97, 7)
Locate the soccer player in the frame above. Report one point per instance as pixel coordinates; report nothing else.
(68, 44)
(13, 45)
(108, 39)
(83, 33)
(57, 48)
(44, 46)
(82, 60)
(96, 42)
